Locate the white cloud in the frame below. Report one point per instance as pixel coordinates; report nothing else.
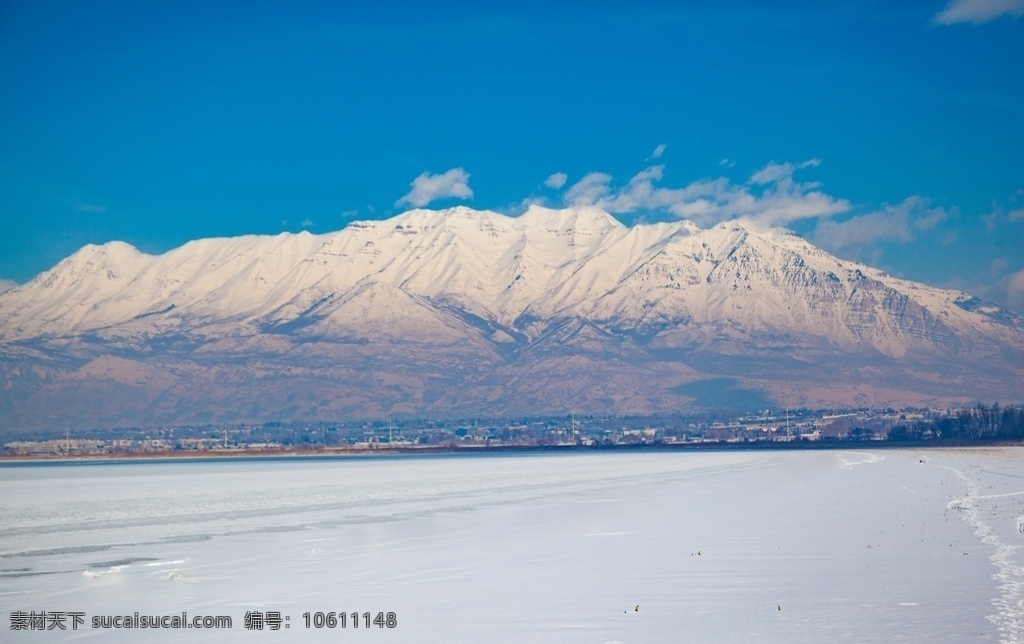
(427, 188)
(1008, 291)
(771, 173)
(591, 189)
(516, 209)
(978, 11)
(889, 224)
(556, 181)
(6, 285)
(727, 163)
(930, 218)
(999, 215)
(898, 223)
(658, 151)
(1012, 287)
(771, 197)
(640, 193)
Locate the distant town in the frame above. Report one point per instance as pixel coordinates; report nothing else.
(797, 428)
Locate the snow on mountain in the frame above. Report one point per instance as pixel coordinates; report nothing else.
(483, 303)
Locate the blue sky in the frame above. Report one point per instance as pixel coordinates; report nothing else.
(890, 133)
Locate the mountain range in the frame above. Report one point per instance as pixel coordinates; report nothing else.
(472, 313)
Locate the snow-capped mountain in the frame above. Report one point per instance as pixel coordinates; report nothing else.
(468, 312)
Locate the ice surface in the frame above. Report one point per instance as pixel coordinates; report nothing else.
(724, 546)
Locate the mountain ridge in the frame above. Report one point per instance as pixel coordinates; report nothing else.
(456, 311)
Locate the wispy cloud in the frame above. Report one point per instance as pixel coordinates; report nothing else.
(306, 223)
(1007, 291)
(591, 189)
(428, 188)
(978, 11)
(88, 207)
(999, 215)
(770, 197)
(556, 181)
(1011, 290)
(658, 151)
(899, 223)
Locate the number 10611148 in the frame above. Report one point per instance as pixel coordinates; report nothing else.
(335, 619)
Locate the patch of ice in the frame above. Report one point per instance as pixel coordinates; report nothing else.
(866, 458)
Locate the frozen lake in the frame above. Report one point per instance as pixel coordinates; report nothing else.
(879, 546)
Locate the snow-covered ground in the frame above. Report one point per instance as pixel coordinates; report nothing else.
(712, 547)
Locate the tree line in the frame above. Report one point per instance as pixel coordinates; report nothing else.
(976, 423)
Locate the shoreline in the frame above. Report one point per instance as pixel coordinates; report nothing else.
(323, 453)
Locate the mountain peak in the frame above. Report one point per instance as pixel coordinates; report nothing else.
(114, 248)
(582, 218)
